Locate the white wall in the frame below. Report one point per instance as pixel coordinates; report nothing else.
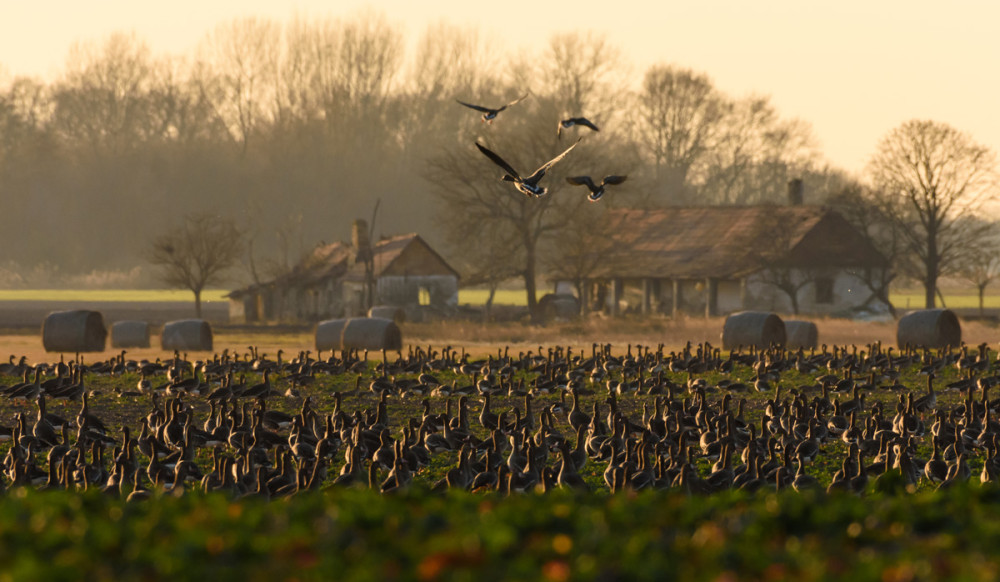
(849, 292)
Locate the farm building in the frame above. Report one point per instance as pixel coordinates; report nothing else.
(331, 282)
(718, 260)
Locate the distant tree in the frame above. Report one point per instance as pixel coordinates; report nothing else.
(238, 72)
(197, 254)
(772, 246)
(677, 121)
(859, 205)
(980, 263)
(931, 178)
(755, 154)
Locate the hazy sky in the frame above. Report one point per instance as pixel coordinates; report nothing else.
(853, 69)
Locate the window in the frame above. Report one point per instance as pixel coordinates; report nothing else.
(824, 289)
(424, 296)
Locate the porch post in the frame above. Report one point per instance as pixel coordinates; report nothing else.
(647, 288)
(712, 297)
(616, 295)
(677, 297)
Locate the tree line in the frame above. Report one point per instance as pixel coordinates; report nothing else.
(288, 132)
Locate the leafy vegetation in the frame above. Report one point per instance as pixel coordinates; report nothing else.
(360, 535)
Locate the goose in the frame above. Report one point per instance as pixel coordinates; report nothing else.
(596, 190)
(566, 124)
(489, 113)
(526, 185)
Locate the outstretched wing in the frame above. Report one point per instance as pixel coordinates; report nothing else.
(514, 102)
(581, 181)
(540, 172)
(476, 107)
(499, 161)
(614, 179)
(586, 123)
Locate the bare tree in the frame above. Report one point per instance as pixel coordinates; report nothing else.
(101, 100)
(774, 241)
(491, 257)
(755, 154)
(980, 263)
(197, 254)
(860, 206)
(677, 121)
(931, 178)
(238, 72)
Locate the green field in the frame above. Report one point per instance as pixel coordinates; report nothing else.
(465, 296)
(139, 295)
(915, 300)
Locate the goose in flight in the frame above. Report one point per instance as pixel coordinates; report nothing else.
(574, 121)
(596, 190)
(489, 113)
(527, 185)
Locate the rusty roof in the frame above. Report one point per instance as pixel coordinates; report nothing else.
(731, 241)
(337, 261)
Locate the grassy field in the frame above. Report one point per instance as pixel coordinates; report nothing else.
(136, 295)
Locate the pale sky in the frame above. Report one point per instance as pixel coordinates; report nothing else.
(853, 69)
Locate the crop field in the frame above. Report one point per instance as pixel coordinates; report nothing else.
(550, 460)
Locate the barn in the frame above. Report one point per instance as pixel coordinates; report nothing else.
(332, 282)
(719, 260)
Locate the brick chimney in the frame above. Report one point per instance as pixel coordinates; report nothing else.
(795, 192)
(360, 241)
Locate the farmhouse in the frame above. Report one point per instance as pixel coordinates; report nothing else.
(718, 260)
(335, 280)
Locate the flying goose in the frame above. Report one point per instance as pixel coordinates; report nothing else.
(574, 121)
(489, 114)
(596, 190)
(528, 185)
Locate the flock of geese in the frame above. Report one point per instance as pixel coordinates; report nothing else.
(529, 185)
(645, 419)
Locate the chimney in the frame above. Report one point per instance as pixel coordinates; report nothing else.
(360, 241)
(795, 192)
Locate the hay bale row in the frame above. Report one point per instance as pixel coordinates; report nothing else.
(929, 328)
(187, 335)
(362, 333)
(130, 334)
(801, 334)
(753, 328)
(74, 331)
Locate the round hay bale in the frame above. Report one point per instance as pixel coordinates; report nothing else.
(801, 334)
(130, 334)
(74, 331)
(753, 328)
(363, 333)
(397, 314)
(929, 328)
(187, 334)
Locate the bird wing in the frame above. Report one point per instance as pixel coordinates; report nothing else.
(514, 102)
(614, 179)
(540, 172)
(585, 122)
(581, 181)
(476, 107)
(500, 161)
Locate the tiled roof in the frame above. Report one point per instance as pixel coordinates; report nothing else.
(730, 241)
